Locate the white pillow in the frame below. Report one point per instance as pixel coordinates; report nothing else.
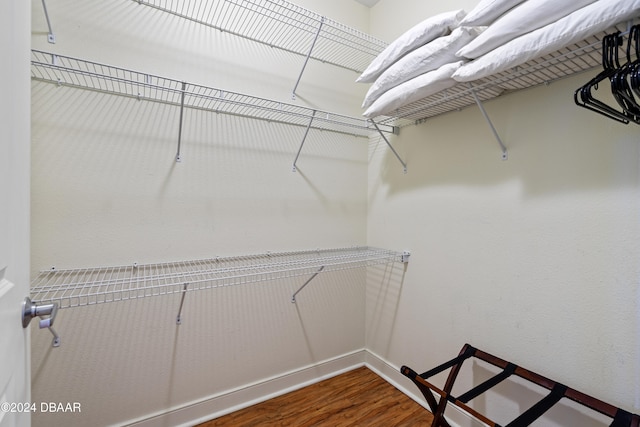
(487, 11)
(429, 29)
(585, 22)
(429, 57)
(528, 16)
(413, 90)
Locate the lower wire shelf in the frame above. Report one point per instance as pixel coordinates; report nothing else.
(56, 289)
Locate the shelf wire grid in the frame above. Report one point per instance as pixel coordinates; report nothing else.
(283, 25)
(90, 286)
(580, 57)
(78, 73)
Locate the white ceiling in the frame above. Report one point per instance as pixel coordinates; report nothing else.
(368, 2)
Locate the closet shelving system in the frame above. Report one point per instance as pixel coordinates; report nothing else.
(286, 26)
(56, 289)
(78, 73)
(277, 23)
(580, 57)
(282, 25)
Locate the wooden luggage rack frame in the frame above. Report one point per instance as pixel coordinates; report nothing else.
(621, 418)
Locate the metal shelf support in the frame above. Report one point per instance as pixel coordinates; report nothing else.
(182, 95)
(503, 148)
(293, 297)
(304, 138)
(51, 37)
(184, 293)
(404, 165)
(306, 60)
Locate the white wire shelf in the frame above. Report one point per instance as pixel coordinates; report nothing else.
(577, 58)
(89, 286)
(283, 25)
(78, 73)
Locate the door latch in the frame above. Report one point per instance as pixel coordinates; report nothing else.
(46, 313)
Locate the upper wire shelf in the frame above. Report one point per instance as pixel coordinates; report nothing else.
(90, 286)
(73, 72)
(283, 25)
(579, 57)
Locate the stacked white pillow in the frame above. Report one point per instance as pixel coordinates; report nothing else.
(524, 18)
(488, 11)
(429, 57)
(457, 47)
(421, 50)
(413, 90)
(576, 26)
(422, 33)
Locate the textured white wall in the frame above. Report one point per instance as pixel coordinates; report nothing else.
(535, 259)
(106, 191)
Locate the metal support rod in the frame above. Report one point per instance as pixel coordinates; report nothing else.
(293, 298)
(184, 87)
(304, 138)
(486, 117)
(55, 342)
(404, 165)
(293, 94)
(184, 293)
(51, 38)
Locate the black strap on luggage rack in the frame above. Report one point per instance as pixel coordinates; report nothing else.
(620, 417)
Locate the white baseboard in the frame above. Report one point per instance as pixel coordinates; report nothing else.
(391, 373)
(224, 403)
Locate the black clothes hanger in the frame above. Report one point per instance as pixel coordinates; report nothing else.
(624, 80)
(620, 87)
(583, 97)
(634, 68)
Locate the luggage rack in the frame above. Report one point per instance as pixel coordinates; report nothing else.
(621, 418)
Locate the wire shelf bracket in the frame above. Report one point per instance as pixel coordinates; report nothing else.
(293, 297)
(178, 155)
(51, 37)
(56, 289)
(404, 164)
(304, 138)
(306, 60)
(184, 294)
(503, 148)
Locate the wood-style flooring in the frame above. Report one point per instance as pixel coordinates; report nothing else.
(356, 398)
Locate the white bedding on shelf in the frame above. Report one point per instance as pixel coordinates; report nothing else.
(427, 58)
(420, 34)
(488, 11)
(413, 90)
(526, 17)
(585, 22)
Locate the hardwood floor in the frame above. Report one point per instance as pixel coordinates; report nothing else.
(356, 398)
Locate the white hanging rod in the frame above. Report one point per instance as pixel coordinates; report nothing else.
(573, 59)
(283, 25)
(73, 72)
(89, 286)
